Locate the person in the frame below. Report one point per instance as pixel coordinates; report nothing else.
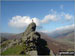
(32, 20)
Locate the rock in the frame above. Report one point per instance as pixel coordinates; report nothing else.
(42, 48)
(33, 42)
(29, 29)
(32, 53)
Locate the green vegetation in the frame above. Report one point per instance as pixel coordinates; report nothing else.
(0, 46)
(14, 50)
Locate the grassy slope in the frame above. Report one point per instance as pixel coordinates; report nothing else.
(13, 50)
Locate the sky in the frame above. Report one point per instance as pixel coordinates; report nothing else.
(48, 15)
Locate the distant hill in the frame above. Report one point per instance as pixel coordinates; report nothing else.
(2, 39)
(55, 45)
(6, 35)
(64, 35)
(56, 34)
(67, 39)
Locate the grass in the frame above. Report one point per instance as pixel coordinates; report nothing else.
(15, 50)
(0, 46)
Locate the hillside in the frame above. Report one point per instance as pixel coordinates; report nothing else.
(54, 44)
(59, 33)
(64, 35)
(67, 39)
(2, 39)
(7, 35)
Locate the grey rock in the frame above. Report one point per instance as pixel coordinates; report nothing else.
(33, 42)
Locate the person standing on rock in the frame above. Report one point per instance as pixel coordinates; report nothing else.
(33, 42)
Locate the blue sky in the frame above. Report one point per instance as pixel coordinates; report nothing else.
(48, 15)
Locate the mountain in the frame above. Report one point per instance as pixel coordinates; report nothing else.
(62, 31)
(58, 40)
(2, 39)
(55, 45)
(56, 34)
(65, 36)
(67, 39)
(6, 35)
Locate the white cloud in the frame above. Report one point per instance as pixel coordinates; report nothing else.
(49, 17)
(44, 31)
(66, 27)
(53, 16)
(22, 21)
(60, 29)
(68, 16)
(63, 29)
(37, 21)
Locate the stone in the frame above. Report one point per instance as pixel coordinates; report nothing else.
(29, 29)
(33, 42)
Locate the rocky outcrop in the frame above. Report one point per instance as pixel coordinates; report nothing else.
(31, 28)
(33, 42)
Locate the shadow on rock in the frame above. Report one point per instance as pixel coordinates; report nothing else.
(42, 48)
